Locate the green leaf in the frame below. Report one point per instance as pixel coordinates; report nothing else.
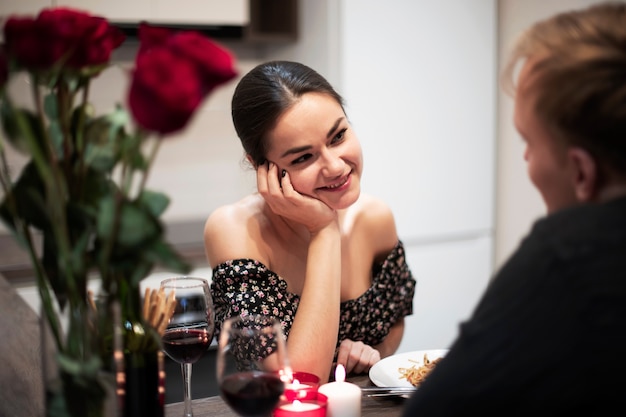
(155, 202)
(29, 196)
(17, 136)
(119, 118)
(96, 185)
(87, 369)
(50, 106)
(50, 261)
(136, 226)
(106, 217)
(163, 254)
(56, 136)
(101, 152)
(79, 249)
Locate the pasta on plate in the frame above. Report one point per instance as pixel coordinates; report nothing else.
(417, 373)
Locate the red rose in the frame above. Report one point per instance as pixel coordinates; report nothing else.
(214, 63)
(25, 43)
(165, 91)
(80, 38)
(151, 36)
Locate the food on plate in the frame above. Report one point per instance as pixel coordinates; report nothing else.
(417, 373)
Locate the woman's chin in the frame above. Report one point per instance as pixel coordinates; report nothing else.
(345, 201)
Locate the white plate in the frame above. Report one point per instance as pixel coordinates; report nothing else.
(385, 372)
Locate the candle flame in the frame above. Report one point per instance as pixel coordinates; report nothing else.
(340, 373)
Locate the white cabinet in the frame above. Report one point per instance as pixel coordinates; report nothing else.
(419, 78)
(22, 7)
(214, 12)
(451, 278)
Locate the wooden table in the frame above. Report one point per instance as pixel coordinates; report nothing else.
(216, 407)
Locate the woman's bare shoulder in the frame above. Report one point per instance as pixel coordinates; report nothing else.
(230, 230)
(375, 218)
(374, 212)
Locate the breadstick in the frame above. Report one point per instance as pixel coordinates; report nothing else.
(168, 311)
(146, 303)
(92, 303)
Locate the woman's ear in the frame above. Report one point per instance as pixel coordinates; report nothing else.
(586, 179)
(251, 161)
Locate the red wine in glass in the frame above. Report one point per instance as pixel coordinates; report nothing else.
(186, 345)
(252, 364)
(252, 393)
(190, 328)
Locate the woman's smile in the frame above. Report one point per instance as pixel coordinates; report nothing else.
(342, 184)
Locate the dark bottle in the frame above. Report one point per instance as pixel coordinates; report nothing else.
(143, 393)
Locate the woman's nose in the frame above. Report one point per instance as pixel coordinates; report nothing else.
(332, 164)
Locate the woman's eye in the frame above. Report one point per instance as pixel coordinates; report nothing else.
(340, 135)
(301, 159)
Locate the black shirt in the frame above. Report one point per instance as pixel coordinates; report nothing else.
(549, 335)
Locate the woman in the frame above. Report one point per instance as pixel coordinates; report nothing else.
(308, 248)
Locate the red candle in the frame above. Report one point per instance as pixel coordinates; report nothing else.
(302, 387)
(314, 406)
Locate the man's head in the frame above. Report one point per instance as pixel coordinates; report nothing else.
(570, 104)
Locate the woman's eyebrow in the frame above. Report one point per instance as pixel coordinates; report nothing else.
(299, 149)
(334, 128)
(296, 150)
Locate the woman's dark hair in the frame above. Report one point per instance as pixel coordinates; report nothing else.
(264, 93)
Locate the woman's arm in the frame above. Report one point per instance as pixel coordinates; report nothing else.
(313, 335)
(389, 346)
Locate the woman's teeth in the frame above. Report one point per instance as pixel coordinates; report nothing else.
(338, 184)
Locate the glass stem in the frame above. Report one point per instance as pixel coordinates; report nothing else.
(186, 369)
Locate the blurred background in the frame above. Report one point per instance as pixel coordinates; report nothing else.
(420, 79)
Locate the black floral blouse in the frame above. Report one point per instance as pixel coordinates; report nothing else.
(246, 286)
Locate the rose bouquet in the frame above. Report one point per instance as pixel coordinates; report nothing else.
(80, 205)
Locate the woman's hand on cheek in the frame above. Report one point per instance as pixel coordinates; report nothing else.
(285, 201)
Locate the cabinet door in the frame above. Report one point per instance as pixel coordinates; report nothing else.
(23, 7)
(114, 10)
(451, 278)
(213, 12)
(199, 12)
(419, 78)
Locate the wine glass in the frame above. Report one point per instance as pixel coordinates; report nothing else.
(252, 365)
(189, 332)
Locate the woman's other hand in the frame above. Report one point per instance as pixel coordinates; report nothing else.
(357, 357)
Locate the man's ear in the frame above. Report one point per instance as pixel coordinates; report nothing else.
(586, 179)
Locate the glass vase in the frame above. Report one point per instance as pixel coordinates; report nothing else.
(77, 382)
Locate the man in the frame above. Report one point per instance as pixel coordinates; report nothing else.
(549, 335)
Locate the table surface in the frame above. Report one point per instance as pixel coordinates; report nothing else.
(216, 407)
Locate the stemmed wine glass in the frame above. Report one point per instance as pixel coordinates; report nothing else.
(189, 332)
(252, 364)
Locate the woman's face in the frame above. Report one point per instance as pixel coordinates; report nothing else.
(315, 144)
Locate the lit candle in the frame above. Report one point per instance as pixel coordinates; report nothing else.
(344, 398)
(296, 390)
(304, 386)
(315, 406)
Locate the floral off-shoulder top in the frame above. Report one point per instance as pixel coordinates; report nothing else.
(247, 286)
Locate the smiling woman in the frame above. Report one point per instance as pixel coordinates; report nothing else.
(309, 248)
